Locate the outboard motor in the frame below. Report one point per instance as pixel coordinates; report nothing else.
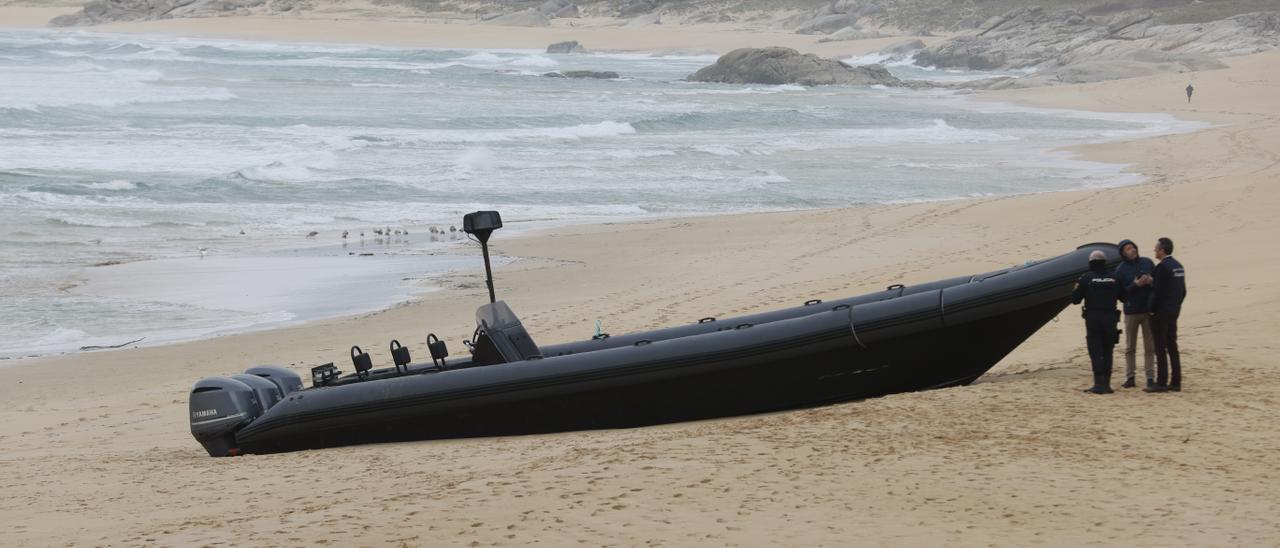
(219, 407)
(265, 391)
(288, 381)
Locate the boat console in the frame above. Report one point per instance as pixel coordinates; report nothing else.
(500, 337)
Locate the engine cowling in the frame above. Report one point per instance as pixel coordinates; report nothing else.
(265, 391)
(288, 381)
(219, 407)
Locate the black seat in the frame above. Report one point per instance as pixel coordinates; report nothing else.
(500, 337)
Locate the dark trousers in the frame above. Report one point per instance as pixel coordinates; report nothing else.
(1164, 329)
(1100, 337)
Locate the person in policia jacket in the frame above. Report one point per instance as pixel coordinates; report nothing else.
(1099, 290)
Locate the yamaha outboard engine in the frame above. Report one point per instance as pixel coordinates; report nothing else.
(219, 407)
(288, 381)
(265, 391)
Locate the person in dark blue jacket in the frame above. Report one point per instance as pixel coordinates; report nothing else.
(1168, 290)
(1134, 273)
(1099, 290)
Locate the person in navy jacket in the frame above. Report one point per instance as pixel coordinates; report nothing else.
(1168, 290)
(1134, 273)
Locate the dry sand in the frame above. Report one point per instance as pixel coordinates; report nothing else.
(96, 448)
(30, 16)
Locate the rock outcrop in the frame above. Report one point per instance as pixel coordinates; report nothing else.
(1067, 46)
(631, 8)
(777, 65)
(851, 33)
(572, 46)
(964, 52)
(106, 11)
(526, 18)
(828, 24)
(558, 9)
(903, 49)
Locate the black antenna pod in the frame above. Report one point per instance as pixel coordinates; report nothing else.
(482, 224)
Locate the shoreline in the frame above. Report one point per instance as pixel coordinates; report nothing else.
(1018, 458)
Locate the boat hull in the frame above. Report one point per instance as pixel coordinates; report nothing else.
(936, 337)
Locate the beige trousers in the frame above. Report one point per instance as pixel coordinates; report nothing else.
(1131, 324)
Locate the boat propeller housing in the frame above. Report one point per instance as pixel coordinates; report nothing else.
(220, 406)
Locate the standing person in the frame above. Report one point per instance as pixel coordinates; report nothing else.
(1168, 290)
(1190, 90)
(1099, 290)
(1134, 273)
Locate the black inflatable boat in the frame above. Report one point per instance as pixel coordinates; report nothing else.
(904, 338)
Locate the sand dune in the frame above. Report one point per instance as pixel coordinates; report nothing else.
(96, 448)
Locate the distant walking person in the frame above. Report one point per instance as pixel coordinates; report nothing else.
(1099, 290)
(1190, 90)
(1134, 274)
(1168, 290)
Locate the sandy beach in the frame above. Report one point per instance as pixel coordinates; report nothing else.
(98, 452)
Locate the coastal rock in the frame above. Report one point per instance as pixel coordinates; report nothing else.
(106, 11)
(851, 33)
(903, 49)
(558, 9)
(828, 24)
(568, 12)
(1125, 24)
(103, 11)
(778, 65)
(1064, 46)
(286, 6)
(632, 8)
(1138, 63)
(793, 21)
(1239, 35)
(526, 18)
(591, 74)
(968, 52)
(572, 46)
(712, 18)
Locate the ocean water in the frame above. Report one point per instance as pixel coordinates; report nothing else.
(157, 152)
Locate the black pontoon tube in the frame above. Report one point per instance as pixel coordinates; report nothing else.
(927, 336)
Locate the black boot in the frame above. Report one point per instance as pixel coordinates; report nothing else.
(1129, 383)
(1099, 385)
